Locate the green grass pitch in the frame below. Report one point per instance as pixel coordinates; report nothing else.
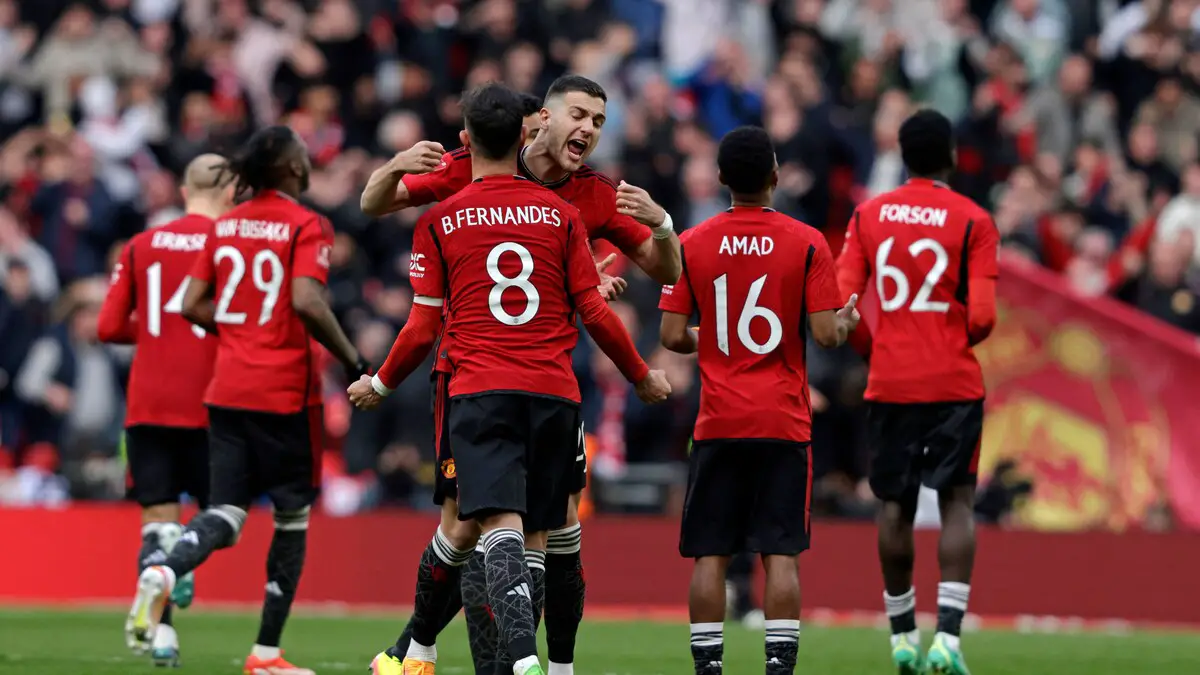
(37, 642)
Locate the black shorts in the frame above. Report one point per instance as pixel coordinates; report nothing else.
(255, 453)
(514, 453)
(445, 478)
(579, 471)
(934, 444)
(747, 495)
(165, 462)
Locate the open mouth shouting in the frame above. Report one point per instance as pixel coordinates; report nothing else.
(576, 149)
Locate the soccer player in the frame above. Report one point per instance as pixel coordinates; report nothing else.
(258, 285)
(570, 125)
(755, 276)
(509, 260)
(166, 424)
(932, 255)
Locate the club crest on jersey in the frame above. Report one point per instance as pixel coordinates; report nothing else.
(448, 470)
(323, 254)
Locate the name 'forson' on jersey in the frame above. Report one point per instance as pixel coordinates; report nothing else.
(501, 215)
(913, 215)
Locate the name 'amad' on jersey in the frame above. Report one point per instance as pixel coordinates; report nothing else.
(746, 245)
(501, 215)
(254, 229)
(908, 214)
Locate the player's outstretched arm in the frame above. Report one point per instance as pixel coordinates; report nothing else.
(115, 324)
(308, 300)
(830, 328)
(409, 350)
(610, 335)
(198, 305)
(385, 191)
(675, 334)
(659, 255)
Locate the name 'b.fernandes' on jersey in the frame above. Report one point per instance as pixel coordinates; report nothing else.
(266, 360)
(511, 263)
(754, 275)
(173, 363)
(932, 254)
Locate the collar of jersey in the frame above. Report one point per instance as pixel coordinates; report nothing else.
(529, 174)
(764, 209)
(927, 181)
(498, 177)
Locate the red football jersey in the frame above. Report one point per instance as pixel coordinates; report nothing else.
(921, 244)
(174, 359)
(591, 192)
(507, 256)
(266, 360)
(755, 275)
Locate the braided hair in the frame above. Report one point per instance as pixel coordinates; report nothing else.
(263, 162)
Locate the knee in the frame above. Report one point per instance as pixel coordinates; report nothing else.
(234, 516)
(292, 521)
(897, 515)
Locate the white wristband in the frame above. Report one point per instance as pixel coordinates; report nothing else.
(665, 230)
(379, 386)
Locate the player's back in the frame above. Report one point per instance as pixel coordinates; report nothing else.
(749, 272)
(506, 245)
(918, 241)
(266, 360)
(173, 363)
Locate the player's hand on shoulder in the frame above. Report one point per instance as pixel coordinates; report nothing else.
(363, 395)
(849, 314)
(636, 203)
(610, 287)
(654, 388)
(423, 157)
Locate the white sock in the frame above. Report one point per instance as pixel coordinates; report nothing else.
(561, 669)
(898, 605)
(421, 653)
(265, 653)
(522, 666)
(782, 630)
(708, 634)
(165, 636)
(954, 594)
(951, 641)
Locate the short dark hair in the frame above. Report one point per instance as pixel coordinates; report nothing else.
(492, 115)
(569, 83)
(530, 104)
(262, 163)
(746, 159)
(927, 143)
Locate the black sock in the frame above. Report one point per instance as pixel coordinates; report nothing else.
(481, 627)
(285, 563)
(708, 647)
(453, 606)
(510, 591)
(565, 592)
(901, 611)
(208, 531)
(536, 562)
(437, 584)
(783, 641)
(151, 553)
(952, 606)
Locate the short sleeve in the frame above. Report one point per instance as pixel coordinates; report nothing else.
(581, 267)
(820, 285)
(677, 298)
(314, 244)
(425, 268)
(204, 268)
(982, 258)
(452, 175)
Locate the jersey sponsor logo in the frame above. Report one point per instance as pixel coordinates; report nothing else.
(448, 469)
(908, 214)
(501, 215)
(173, 241)
(746, 245)
(415, 268)
(254, 229)
(668, 290)
(323, 255)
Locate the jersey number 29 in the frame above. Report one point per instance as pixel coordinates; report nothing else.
(270, 285)
(749, 311)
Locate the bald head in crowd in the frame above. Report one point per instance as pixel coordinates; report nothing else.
(208, 186)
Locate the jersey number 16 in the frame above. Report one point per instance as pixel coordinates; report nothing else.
(749, 312)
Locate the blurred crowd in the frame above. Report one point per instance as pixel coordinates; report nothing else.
(1077, 123)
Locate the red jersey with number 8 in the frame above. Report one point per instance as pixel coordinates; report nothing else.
(754, 275)
(266, 360)
(174, 360)
(920, 245)
(506, 256)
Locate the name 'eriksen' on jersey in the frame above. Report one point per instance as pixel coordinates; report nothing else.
(913, 215)
(172, 241)
(254, 229)
(747, 245)
(501, 215)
